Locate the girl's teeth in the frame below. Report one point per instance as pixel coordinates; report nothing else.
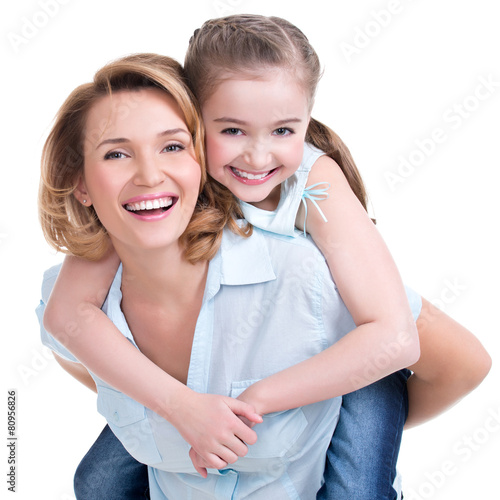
(149, 204)
(246, 175)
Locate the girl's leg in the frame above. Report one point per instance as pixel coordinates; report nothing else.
(361, 459)
(108, 472)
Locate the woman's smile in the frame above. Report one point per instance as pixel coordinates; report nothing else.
(140, 167)
(151, 207)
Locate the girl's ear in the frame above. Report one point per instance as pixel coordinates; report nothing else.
(81, 193)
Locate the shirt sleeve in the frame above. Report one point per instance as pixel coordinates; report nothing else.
(49, 278)
(415, 301)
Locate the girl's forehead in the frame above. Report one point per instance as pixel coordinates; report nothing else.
(287, 77)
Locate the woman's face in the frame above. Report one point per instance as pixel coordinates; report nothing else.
(140, 171)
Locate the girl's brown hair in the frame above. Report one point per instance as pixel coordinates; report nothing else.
(75, 229)
(254, 44)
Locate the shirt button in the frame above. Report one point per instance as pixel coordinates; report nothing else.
(116, 417)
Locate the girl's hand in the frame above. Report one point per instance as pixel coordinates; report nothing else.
(212, 425)
(251, 396)
(199, 464)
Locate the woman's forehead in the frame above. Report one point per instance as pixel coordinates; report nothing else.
(136, 112)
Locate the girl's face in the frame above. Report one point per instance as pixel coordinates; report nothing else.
(140, 171)
(255, 130)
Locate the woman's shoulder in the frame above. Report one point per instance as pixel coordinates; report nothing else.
(48, 281)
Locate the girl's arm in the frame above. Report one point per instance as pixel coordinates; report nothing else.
(452, 363)
(369, 284)
(365, 274)
(209, 423)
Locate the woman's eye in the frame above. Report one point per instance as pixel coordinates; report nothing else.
(283, 131)
(232, 131)
(172, 148)
(114, 155)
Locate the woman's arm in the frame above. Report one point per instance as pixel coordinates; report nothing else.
(209, 423)
(452, 363)
(78, 371)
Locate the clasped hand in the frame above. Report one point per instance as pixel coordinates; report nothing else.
(218, 428)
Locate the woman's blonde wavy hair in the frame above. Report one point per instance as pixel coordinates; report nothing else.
(255, 44)
(74, 229)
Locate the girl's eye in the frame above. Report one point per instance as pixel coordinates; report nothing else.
(172, 148)
(283, 131)
(114, 155)
(232, 131)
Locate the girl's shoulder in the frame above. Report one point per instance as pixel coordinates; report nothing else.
(310, 156)
(325, 170)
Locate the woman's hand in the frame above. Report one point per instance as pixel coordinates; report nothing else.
(213, 426)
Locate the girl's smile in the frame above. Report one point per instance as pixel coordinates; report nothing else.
(253, 179)
(255, 130)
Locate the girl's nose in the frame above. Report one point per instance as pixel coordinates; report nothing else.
(258, 156)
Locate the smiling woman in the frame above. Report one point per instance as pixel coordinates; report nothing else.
(138, 171)
(70, 224)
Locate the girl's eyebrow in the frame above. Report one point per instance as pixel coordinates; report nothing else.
(227, 119)
(121, 140)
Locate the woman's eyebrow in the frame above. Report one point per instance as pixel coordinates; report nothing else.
(173, 131)
(118, 140)
(121, 140)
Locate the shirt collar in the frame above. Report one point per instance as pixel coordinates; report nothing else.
(245, 261)
(239, 261)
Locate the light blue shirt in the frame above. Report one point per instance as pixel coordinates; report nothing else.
(269, 303)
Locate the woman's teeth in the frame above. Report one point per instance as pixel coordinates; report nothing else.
(247, 175)
(149, 204)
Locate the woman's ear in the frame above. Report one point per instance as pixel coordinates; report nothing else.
(81, 193)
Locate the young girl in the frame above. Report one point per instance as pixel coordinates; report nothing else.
(255, 79)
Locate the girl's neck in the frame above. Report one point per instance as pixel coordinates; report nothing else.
(271, 202)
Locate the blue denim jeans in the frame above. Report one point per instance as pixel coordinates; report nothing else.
(108, 472)
(361, 459)
(360, 462)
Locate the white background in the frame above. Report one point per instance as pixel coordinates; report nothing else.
(394, 72)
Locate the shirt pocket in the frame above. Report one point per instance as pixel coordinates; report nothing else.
(129, 422)
(277, 434)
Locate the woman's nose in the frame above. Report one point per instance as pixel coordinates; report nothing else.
(149, 172)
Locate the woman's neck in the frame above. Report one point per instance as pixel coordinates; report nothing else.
(162, 294)
(160, 276)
